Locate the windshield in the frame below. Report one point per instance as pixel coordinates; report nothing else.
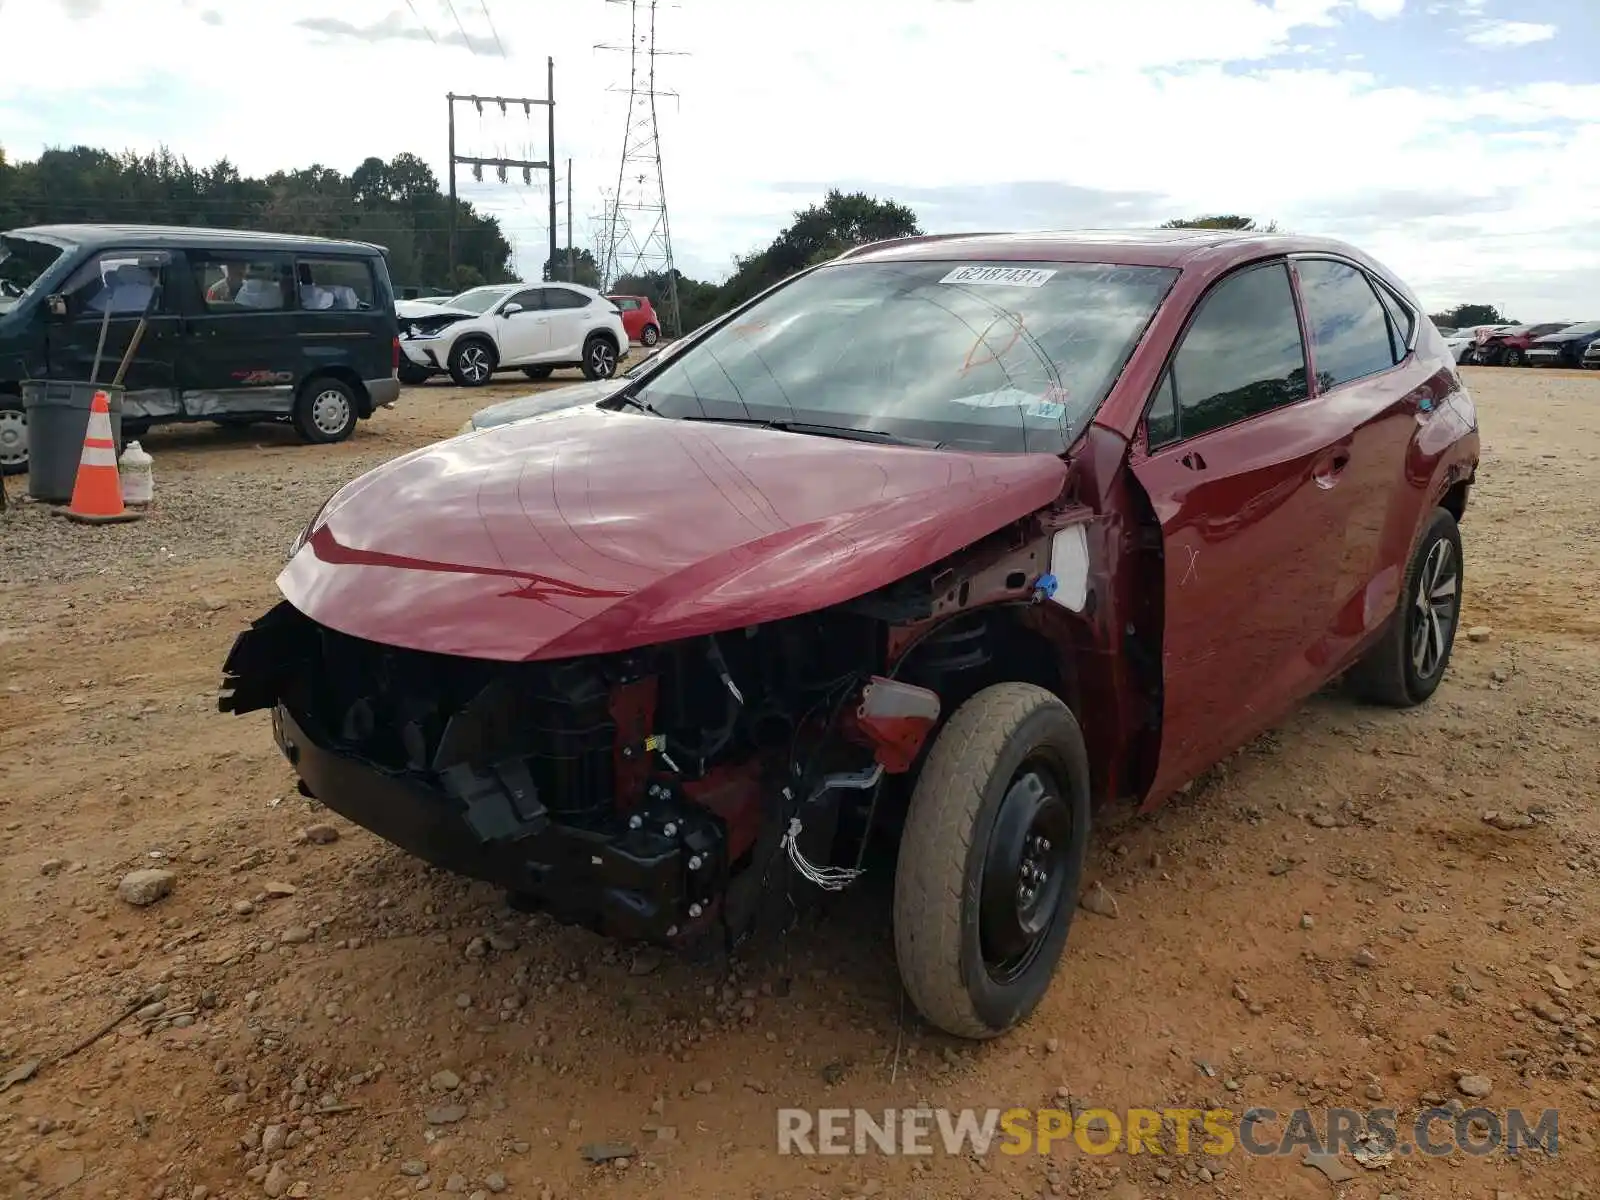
(481, 299)
(1001, 356)
(22, 261)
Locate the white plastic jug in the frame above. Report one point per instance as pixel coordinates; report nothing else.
(138, 478)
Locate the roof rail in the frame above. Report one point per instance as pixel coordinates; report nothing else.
(909, 240)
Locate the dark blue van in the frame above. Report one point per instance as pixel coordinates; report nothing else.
(244, 326)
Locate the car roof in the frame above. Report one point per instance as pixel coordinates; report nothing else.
(1127, 247)
(179, 236)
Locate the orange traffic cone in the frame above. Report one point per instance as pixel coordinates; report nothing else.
(97, 492)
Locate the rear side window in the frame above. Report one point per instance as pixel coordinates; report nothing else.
(243, 283)
(558, 298)
(1242, 354)
(626, 305)
(1349, 328)
(335, 283)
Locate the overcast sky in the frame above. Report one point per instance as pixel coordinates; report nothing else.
(1458, 140)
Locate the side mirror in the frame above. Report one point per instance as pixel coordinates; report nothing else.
(510, 310)
(58, 304)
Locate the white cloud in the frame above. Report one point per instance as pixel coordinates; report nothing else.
(1506, 34)
(906, 94)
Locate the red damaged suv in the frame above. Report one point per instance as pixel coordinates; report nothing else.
(936, 546)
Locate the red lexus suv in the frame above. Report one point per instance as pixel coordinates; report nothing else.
(935, 548)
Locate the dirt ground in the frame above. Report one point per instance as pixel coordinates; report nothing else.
(1331, 918)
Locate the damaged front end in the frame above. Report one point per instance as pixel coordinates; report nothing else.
(649, 794)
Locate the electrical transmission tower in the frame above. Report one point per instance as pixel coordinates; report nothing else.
(637, 237)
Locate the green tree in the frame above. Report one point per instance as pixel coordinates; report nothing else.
(1222, 221)
(1464, 316)
(582, 266)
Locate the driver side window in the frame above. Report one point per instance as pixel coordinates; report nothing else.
(116, 283)
(531, 300)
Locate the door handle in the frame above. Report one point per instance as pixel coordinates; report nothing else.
(1331, 469)
(1194, 460)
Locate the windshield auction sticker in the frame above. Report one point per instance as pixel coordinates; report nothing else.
(999, 276)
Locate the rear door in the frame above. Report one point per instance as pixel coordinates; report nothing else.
(1243, 469)
(242, 353)
(522, 335)
(1367, 381)
(107, 294)
(568, 321)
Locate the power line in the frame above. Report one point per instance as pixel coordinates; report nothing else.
(484, 4)
(411, 4)
(466, 37)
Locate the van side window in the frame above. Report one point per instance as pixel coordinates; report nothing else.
(234, 283)
(114, 282)
(337, 283)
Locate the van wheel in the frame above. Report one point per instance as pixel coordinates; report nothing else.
(991, 858)
(473, 362)
(537, 373)
(599, 357)
(13, 436)
(326, 411)
(649, 335)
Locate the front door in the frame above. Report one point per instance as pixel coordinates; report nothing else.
(1244, 472)
(242, 354)
(523, 332)
(105, 297)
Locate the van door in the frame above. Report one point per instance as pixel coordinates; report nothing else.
(346, 321)
(241, 353)
(108, 293)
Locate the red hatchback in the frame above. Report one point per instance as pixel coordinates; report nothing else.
(638, 318)
(936, 547)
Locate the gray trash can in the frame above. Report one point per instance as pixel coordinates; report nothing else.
(58, 418)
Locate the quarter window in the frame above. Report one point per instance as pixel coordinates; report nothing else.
(1403, 320)
(118, 283)
(1350, 337)
(1161, 426)
(344, 284)
(1242, 354)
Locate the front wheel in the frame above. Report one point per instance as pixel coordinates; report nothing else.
(412, 375)
(991, 859)
(1514, 357)
(326, 411)
(473, 362)
(599, 357)
(1408, 662)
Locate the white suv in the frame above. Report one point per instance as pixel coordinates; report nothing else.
(535, 327)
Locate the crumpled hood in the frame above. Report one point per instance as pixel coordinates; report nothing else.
(410, 310)
(592, 531)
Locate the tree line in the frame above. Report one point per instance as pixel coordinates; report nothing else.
(399, 205)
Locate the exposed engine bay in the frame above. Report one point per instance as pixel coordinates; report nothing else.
(657, 793)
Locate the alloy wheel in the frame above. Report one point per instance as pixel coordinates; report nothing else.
(1025, 871)
(475, 363)
(602, 359)
(1434, 609)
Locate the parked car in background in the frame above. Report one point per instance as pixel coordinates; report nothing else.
(245, 326)
(940, 544)
(1591, 356)
(508, 326)
(1463, 342)
(1508, 347)
(1565, 347)
(639, 318)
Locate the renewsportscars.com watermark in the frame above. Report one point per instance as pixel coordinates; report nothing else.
(1263, 1132)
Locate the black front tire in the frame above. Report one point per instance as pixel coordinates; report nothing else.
(326, 411)
(972, 804)
(412, 375)
(1400, 671)
(473, 362)
(1514, 358)
(599, 357)
(537, 373)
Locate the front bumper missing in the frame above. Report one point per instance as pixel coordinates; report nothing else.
(657, 875)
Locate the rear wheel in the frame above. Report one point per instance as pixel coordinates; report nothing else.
(473, 362)
(649, 335)
(991, 858)
(1407, 664)
(13, 436)
(537, 373)
(599, 357)
(325, 411)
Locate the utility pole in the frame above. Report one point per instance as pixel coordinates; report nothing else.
(502, 165)
(638, 236)
(572, 262)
